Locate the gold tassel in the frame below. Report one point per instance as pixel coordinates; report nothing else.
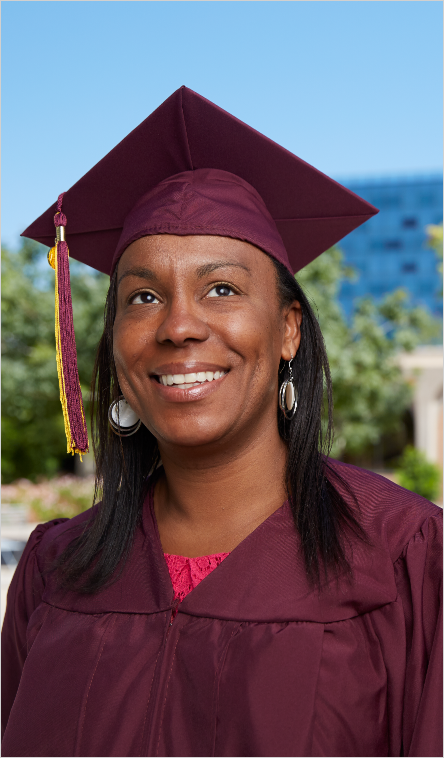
(53, 262)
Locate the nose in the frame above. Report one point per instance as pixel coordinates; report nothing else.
(182, 324)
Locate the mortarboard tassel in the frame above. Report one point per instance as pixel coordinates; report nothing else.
(69, 383)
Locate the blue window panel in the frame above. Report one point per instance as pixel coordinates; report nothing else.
(409, 268)
(410, 222)
(396, 238)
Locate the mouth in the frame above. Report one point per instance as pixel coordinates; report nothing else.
(188, 381)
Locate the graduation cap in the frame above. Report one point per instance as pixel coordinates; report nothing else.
(189, 168)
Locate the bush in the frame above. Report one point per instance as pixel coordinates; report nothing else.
(61, 497)
(417, 474)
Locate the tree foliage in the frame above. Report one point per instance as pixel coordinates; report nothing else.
(419, 475)
(33, 437)
(435, 241)
(369, 392)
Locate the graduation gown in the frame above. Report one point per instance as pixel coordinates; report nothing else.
(255, 663)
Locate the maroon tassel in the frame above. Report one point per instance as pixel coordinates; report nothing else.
(70, 391)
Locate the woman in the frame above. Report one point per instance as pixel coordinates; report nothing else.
(235, 592)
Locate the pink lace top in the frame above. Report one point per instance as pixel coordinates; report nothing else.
(187, 573)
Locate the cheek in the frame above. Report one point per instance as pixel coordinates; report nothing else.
(267, 329)
(129, 342)
(258, 339)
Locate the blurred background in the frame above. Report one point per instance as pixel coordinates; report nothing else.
(355, 89)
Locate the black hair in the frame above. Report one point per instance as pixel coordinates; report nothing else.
(322, 517)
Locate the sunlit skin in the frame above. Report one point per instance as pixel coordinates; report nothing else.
(206, 303)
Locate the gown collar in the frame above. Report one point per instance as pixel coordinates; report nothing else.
(262, 580)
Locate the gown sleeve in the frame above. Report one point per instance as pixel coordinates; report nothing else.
(419, 581)
(24, 595)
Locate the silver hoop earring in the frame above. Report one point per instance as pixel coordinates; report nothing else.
(122, 419)
(288, 396)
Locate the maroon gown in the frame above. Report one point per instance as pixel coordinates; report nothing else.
(255, 663)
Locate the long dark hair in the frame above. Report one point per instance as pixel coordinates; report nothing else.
(96, 556)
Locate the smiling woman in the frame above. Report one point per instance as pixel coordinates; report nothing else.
(189, 323)
(235, 591)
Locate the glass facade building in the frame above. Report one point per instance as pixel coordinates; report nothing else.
(390, 251)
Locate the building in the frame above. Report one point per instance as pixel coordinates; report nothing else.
(423, 369)
(389, 251)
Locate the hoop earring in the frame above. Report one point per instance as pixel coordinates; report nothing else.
(122, 419)
(288, 396)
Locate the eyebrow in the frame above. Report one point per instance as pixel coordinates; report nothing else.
(208, 268)
(147, 273)
(140, 272)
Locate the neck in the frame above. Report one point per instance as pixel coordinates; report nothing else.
(209, 501)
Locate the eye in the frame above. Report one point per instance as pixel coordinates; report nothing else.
(221, 290)
(143, 298)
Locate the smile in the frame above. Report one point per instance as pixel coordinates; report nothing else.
(187, 381)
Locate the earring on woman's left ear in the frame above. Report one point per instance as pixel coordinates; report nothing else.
(288, 395)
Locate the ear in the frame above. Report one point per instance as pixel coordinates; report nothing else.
(292, 331)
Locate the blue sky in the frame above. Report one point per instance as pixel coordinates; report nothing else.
(354, 88)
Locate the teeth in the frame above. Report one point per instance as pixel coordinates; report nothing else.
(185, 381)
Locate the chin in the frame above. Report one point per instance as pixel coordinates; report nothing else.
(190, 435)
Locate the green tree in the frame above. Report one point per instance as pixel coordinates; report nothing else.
(435, 241)
(419, 475)
(370, 393)
(33, 438)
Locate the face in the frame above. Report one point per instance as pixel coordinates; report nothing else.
(198, 338)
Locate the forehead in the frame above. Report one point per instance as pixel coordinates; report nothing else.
(164, 253)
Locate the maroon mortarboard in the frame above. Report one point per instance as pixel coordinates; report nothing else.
(189, 168)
